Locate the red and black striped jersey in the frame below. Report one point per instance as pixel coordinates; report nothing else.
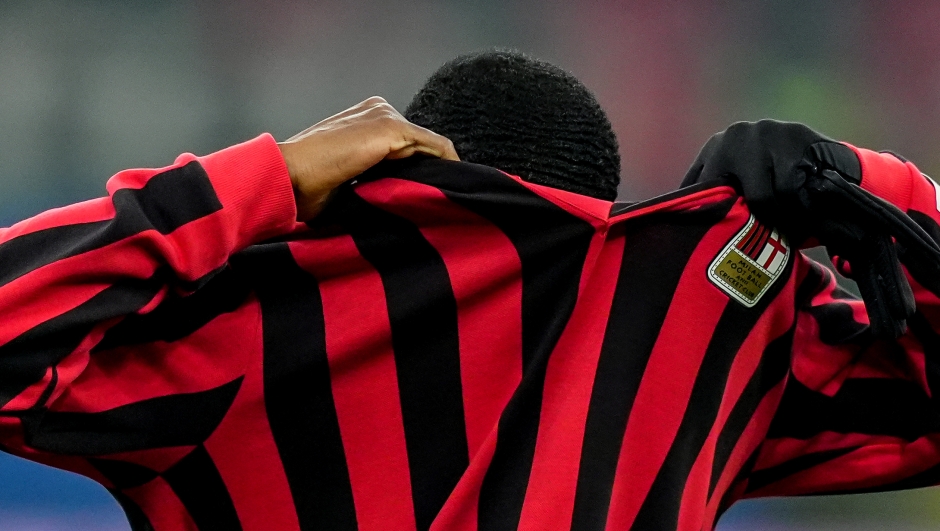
(449, 347)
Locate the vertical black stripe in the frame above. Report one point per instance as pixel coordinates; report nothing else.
(199, 487)
(759, 248)
(422, 311)
(552, 246)
(741, 245)
(755, 244)
(773, 367)
(752, 236)
(649, 273)
(168, 201)
(297, 392)
(24, 360)
(660, 509)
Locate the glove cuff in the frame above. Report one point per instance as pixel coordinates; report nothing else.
(887, 176)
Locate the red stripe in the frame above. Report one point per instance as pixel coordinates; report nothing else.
(916, 361)
(823, 367)
(751, 242)
(159, 459)
(77, 279)
(774, 322)
(90, 211)
(364, 381)
(762, 244)
(778, 451)
(486, 276)
(922, 200)
(869, 466)
(137, 178)
(68, 369)
(889, 178)
(55, 288)
(161, 505)
(63, 285)
(670, 374)
(765, 241)
(259, 491)
(189, 365)
(461, 509)
(31, 394)
(751, 437)
(567, 394)
(756, 244)
(74, 366)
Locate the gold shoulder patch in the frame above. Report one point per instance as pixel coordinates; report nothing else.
(750, 263)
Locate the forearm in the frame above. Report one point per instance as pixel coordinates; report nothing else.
(69, 273)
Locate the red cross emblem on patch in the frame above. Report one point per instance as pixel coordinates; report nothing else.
(750, 262)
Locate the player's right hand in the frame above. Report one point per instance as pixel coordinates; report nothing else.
(344, 145)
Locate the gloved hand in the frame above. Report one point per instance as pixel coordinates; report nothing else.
(771, 161)
(807, 186)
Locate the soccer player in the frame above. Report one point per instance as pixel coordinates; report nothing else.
(444, 345)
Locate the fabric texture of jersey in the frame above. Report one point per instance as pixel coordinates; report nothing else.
(446, 347)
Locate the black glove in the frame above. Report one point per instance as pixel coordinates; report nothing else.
(771, 161)
(806, 185)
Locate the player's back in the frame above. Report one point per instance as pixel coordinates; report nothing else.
(450, 347)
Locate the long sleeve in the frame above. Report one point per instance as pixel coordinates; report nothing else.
(69, 274)
(859, 414)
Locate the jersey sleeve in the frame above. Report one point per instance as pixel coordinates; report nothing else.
(859, 414)
(67, 275)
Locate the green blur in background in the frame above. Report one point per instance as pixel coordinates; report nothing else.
(89, 88)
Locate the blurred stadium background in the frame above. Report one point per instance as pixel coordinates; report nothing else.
(89, 88)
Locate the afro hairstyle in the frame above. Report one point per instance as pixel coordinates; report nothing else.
(525, 116)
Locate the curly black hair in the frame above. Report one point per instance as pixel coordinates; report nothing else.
(524, 116)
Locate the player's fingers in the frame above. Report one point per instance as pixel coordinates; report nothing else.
(413, 149)
(402, 153)
(416, 139)
(359, 108)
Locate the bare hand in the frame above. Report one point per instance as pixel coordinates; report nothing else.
(344, 145)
